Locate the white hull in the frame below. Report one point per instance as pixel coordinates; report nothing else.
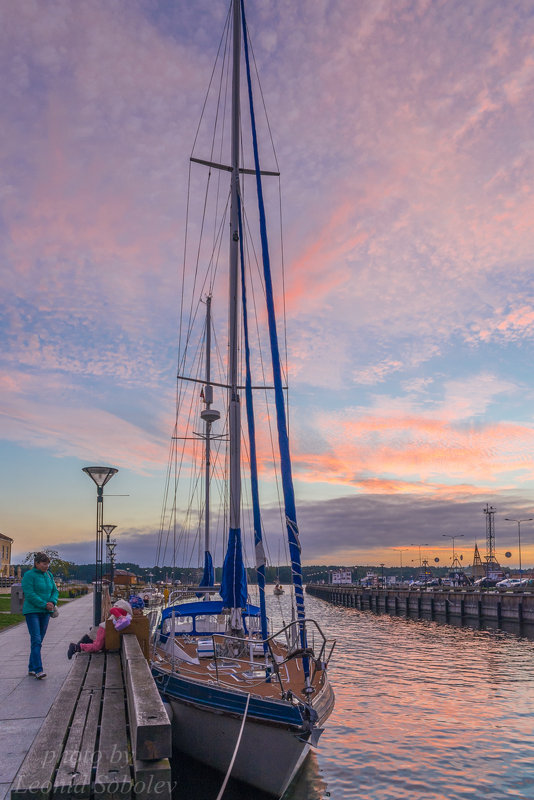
(268, 758)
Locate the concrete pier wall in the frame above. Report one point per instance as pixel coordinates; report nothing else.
(466, 604)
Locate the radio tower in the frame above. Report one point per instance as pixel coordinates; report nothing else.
(491, 561)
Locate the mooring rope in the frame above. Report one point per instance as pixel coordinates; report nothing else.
(223, 787)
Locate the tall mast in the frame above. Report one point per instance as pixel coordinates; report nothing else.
(233, 337)
(209, 415)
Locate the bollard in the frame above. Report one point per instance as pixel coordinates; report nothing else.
(17, 598)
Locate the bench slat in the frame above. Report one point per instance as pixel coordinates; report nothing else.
(95, 673)
(34, 778)
(113, 776)
(114, 679)
(73, 778)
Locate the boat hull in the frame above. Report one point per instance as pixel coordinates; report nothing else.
(271, 750)
(268, 757)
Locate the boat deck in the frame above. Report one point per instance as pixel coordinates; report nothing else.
(244, 672)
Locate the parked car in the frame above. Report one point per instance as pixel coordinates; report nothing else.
(511, 583)
(485, 583)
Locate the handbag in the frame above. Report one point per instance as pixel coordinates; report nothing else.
(55, 612)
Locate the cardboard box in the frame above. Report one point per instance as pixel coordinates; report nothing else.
(138, 627)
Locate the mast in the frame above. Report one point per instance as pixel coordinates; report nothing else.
(233, 337)
(234, 579)
(209, 415)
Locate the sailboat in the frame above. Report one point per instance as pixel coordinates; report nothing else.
(278, 588)
(246, 701)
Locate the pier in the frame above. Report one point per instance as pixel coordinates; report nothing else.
(95, 727)
(442, 603)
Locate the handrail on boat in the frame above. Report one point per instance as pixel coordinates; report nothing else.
(319, 661)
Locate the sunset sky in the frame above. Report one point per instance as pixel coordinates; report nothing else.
(404, 136)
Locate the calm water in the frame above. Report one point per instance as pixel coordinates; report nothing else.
(424, 711)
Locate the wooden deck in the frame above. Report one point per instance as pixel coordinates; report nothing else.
(241, 673)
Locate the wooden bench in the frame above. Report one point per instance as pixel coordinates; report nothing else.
(84, 748)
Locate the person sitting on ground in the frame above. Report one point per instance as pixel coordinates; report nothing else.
(121, 614)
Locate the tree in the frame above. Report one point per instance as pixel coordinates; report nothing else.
(58, 566)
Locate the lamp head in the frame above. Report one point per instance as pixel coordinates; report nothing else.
(108, 529)
(100, 475)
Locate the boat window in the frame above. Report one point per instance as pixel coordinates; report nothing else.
(206, 622)
(181, 625)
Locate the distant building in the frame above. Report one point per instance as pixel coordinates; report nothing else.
(122, 577)
(5, 561)
(342, 576)
(478, 570)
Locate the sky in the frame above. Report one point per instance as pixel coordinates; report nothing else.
(403, 133)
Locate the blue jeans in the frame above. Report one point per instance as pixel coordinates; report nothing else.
(37, 623)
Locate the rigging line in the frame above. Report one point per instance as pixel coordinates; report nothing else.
(194, 293)
(178, 469)
(194, 405)
(249, 240)
(262, 98)
(219, 95)
(221, 145)
(226, 26)
(258, 80)
(184, 263)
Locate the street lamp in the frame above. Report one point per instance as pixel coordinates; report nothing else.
(448, 536)
(401, 550)
(419, 546)
(100, 476)
(108, 530)
(519, 521)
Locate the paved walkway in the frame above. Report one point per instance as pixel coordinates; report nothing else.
(25, 701)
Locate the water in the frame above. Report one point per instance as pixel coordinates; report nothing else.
(424, 711)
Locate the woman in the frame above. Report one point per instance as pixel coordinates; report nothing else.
(40, 598)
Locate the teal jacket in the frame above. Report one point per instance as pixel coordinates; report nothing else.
(39, 589)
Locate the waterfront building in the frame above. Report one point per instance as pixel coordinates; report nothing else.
(122, 577)
(342, 576)
(5, 552)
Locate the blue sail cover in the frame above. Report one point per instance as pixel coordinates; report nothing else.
(258, 537)
(208, 576)
(234, 578)
(283, 439)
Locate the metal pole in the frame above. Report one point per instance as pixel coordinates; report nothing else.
(519, 537)
(207, 429)
(97, 605)
(234, 405)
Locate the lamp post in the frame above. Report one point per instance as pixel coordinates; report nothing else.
(448, 536)
(401, 550)
(111, 555)
(108, 530)
(425, 544)
(100, 476)
(519, 521)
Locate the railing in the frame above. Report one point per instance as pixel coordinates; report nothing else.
(221, 653)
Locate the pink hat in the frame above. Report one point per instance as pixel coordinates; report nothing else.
(117, 612)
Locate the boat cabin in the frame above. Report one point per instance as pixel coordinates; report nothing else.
(204, 618)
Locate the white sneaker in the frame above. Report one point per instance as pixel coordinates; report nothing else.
(40, 675)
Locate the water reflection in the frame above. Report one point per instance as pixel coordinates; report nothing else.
(424, 710)
(196, 781)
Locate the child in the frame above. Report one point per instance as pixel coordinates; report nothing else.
(121, 614)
